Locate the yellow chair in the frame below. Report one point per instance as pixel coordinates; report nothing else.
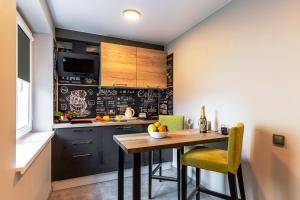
(217, 160)
(173, 123)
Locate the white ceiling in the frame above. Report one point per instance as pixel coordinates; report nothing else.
(162, 20)
(37, 16)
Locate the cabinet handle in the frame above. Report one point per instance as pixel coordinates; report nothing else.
(120, 84)
(124, 127)
(148, 86)
(82, 142)
(82, 155)
(81, 131)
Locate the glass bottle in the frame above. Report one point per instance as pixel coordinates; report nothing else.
(203, 121)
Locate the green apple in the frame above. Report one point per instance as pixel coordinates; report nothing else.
(152, 128)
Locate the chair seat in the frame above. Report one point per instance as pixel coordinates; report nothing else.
(207, 158)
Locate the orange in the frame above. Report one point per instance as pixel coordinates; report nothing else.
(162, 128)
(98, 118)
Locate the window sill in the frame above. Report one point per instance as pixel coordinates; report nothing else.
(29, 147)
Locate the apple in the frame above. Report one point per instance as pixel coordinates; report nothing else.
(152, 128)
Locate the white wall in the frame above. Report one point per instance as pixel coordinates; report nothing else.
(244, 63)
(35, 184)
(42, 82)
(8, 97)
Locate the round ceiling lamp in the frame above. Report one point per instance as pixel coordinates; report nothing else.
(132, 14)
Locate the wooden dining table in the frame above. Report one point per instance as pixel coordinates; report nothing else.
(135, 144)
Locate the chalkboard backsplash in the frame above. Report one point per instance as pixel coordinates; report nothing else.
(79, 99)
(166, 96)
(89, 101)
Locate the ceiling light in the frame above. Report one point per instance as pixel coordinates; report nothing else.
(132, 14)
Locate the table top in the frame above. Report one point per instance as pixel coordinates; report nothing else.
(141, 142)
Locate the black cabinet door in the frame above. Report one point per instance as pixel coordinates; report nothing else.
(119, 130)
(110, 148)
(74, 153)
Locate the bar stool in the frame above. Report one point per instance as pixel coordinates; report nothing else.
(173, 123)
(222, 161)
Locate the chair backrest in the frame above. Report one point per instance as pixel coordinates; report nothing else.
(235, 143)
(173, 122)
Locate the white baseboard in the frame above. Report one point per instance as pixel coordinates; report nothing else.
(98, 178)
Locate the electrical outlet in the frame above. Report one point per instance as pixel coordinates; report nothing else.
(278, 140)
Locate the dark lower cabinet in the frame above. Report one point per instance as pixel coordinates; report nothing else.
(110, 148)
(80, 152)
(75, 153)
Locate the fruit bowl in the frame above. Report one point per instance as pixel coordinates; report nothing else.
(158, 135)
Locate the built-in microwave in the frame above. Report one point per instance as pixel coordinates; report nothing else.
(78, 65)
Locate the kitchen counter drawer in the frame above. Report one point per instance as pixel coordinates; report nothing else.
(81, 146)
(74, 134)
(128, 129)
(72, 164)
(78, 140)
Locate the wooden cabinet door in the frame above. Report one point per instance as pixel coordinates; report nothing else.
(151, 68)
(118, 65)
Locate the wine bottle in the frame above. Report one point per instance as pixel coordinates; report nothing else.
(203, 121)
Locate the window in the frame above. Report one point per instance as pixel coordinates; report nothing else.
(24, 79)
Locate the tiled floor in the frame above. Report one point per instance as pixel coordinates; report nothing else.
(108, 190)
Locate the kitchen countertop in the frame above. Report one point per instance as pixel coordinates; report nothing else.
(95, 124)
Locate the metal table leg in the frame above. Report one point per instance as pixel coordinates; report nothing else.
(150, 176)
(180, 151)
(160, 162)
(184, 183)
(136, 179)
(121, 175)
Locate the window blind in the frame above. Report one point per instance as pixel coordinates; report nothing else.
(23, 55)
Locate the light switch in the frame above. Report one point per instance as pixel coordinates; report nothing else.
(278, 140)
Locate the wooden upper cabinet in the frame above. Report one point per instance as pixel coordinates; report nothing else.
(127, 66)
(118, 65)
(151, 68)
